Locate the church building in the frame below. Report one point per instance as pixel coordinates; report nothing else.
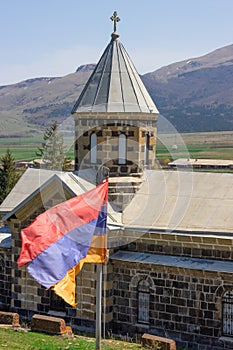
(170, 233)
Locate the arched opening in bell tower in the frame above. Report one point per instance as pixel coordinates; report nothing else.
(93, 148)
(122, 149)
(146, 149)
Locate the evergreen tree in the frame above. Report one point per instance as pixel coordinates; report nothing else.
(53, 151)
(8, 175)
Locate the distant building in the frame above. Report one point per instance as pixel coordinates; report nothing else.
(170, 233)
(202, 163)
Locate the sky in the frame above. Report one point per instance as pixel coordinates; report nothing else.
(48, 38)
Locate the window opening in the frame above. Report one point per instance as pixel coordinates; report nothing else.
(93, 148)
(146, 149)
(122, 149)
(227, 314)
(143, 301)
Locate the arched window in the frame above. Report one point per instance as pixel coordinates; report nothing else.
(93, 148)
(122, 149)
(146, 149)
(143, 301)
(227, 314)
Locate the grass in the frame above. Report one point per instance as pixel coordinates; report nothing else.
(21, 340)
(194, 151)
(24, 148)
(21, 148)
(212, 145)
(26, 340)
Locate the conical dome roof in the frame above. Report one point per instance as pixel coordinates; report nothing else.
(115, 85)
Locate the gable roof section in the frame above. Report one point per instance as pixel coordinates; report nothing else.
(115, 85)
(178, 201)
(183, 201)
(35, 181)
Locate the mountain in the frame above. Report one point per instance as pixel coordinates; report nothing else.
(195, 95)
(39, 102)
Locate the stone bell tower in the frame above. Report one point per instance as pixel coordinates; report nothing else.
(115, 117)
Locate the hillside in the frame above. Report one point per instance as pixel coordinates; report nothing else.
(195, 95)
(38, 102)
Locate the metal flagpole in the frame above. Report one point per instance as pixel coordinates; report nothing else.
(99, 277)
(102, 175)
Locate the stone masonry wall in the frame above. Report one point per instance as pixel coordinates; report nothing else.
(27, 294)
(5, 278)
(190, 245)
(86, 297)
(185, 305)
(108, 131)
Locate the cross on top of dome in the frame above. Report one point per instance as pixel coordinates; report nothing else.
(115, 19)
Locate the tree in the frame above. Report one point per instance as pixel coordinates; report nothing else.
(8, 175)
(53, 151)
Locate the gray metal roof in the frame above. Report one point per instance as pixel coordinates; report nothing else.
(175, 261)
(34, 180)
(115, 85)
(213, 163)
(182, 201)
(167, 200)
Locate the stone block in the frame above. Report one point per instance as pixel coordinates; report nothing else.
(108, 317)
(183, 238)
(48, 324)
(9, 318)
(154, 342)
(88, 314)
(224, 241)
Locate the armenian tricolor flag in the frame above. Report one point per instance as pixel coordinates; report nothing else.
(63, 238)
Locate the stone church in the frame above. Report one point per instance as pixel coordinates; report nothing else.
(170, 233)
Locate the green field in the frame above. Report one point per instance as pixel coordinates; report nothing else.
(214, 145)
(25, 148)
